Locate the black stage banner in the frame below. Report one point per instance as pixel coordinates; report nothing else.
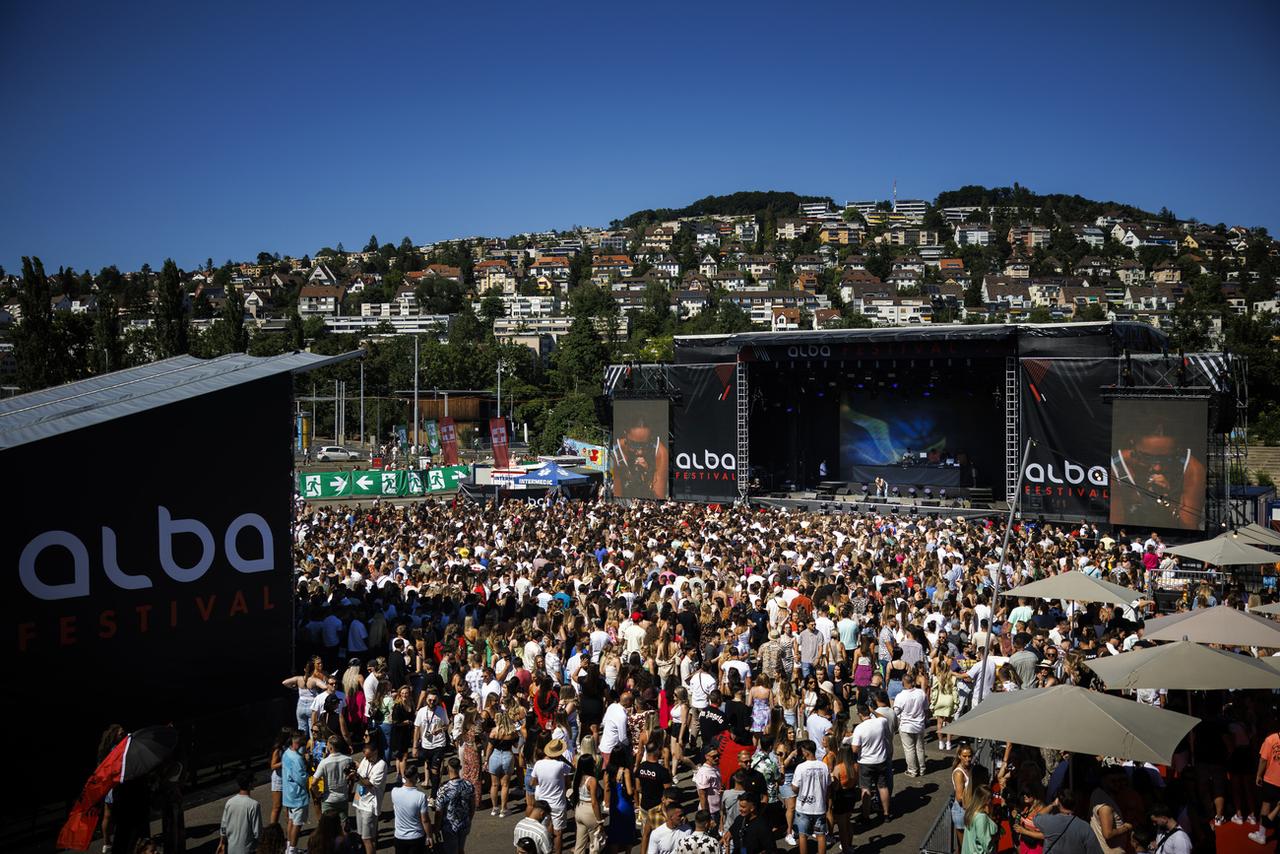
(151, 573)
(1063, 411)
(704, 436)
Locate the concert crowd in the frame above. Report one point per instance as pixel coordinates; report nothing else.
(685, 679)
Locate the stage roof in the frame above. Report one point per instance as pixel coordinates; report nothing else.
(1019, 339)
(73, 406)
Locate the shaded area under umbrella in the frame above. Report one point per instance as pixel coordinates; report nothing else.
(1183, 665)
(1067, 717)
(1220, 624)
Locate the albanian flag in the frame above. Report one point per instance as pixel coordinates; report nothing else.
(139, 753)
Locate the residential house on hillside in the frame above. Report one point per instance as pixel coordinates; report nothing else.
(706, 234)
(659, 237)
(900, 235)
(554, 267)
(809, 263)
(495, 275)
(605, 268)
(733, 280)
(758, 265)
(709, 266)
(1130, 272)
(905, 279)
(785, 319)
(690, 303)
(1166, 273)
(1006, 293)
(790, 228)
(1029, 236)
(973, 234)
(320, 300)
(1017, 267)
(1162, 297)
(1090, 234)
(321, 274)
(1094, 267)
(806, 281)
(747, 231)
(842, 234)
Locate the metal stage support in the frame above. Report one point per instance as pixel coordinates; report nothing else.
(1012, 432)
(744, 436)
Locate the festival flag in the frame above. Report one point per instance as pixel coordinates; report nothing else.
(449, 441)
(501, 443)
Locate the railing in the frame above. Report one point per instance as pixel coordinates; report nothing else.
(941, 837)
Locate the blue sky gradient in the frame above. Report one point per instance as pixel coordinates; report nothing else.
(143, 130)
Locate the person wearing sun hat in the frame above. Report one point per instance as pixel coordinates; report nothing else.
(550, 775)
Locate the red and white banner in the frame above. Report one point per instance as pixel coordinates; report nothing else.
(501, 442)
(449, 441)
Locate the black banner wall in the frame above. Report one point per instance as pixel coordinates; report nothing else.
(1063, 411)
(704, 465)
(150, 574)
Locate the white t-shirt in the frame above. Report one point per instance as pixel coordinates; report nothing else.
(551, 774)
(663, 839)
(912, 707)
(872, 740)
(433, 724)
(633, 638)
(811, 781)
(613, 731)
(369, 797)
(700, 685)
(818, 727)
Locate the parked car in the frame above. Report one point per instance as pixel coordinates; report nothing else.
(336, 454)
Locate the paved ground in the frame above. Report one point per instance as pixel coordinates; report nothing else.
(916, 801)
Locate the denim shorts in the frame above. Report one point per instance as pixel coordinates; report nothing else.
(501, 763)
(298, 815)
(957, 815)
(785, 792)
(810, 825)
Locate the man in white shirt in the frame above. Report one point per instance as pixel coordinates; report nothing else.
(430, 731)
(818, 724)
(812, 784)
(872, 744)
(371, 780)
(633, 634)
(598, 638)
(663, 838)
(912, 708)
(549, 776)
(613, 729)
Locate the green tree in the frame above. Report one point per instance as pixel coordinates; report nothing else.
(34, 348)
(171, 313)
(107, 352)
(372, 245)
(492, 308)
(578, 361)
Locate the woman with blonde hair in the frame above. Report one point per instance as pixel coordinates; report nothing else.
(981, 833)
(500, 760)
(944, 699)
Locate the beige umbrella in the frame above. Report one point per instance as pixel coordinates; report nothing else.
(1076, 586)
(1067, 717)
(1183, 665)
(1270, 610)
(1254, 534)
(1224, 551)
(1220, 624)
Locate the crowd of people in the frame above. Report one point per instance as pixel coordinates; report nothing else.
(692, 679)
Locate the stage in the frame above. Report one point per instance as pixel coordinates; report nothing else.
(934, 476)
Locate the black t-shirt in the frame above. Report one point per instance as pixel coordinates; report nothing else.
(738, 717)
(753, 781)
(711, 723)
(752, 837)
(691, 628)
(653, 778)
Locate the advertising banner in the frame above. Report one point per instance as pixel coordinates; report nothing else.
(500, 442)
(432, 429)
(375, 484)
(639, 459)
(127, 580)
(1064, 412)
(704, 442)
(1158, 454)
(449, 441)
(596, 457)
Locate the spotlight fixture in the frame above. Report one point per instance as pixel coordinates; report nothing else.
(942, 493)
(896, 491)
(928, 492)
(911, 491)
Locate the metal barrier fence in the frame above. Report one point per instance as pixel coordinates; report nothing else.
(941, 837)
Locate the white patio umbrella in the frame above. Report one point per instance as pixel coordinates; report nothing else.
(1220, 624)
(1183, 665)
(1067, 717)
(1254, 534)
(1224, 551)
(1076, 586)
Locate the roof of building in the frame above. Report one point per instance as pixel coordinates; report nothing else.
(74, 406)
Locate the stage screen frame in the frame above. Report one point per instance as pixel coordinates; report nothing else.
(638, 425)
(1157, 502)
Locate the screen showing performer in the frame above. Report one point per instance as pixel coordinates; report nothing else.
(1158, 453)
(640, 456)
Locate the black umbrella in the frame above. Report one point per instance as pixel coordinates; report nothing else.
(148, 749)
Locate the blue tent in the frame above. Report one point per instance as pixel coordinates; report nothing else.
(549, 474)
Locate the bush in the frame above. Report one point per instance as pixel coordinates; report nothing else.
(1266, 426)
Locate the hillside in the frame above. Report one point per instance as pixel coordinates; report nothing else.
(1073, 208)
(760, 203)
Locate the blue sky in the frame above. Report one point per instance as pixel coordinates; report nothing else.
(137, 131)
